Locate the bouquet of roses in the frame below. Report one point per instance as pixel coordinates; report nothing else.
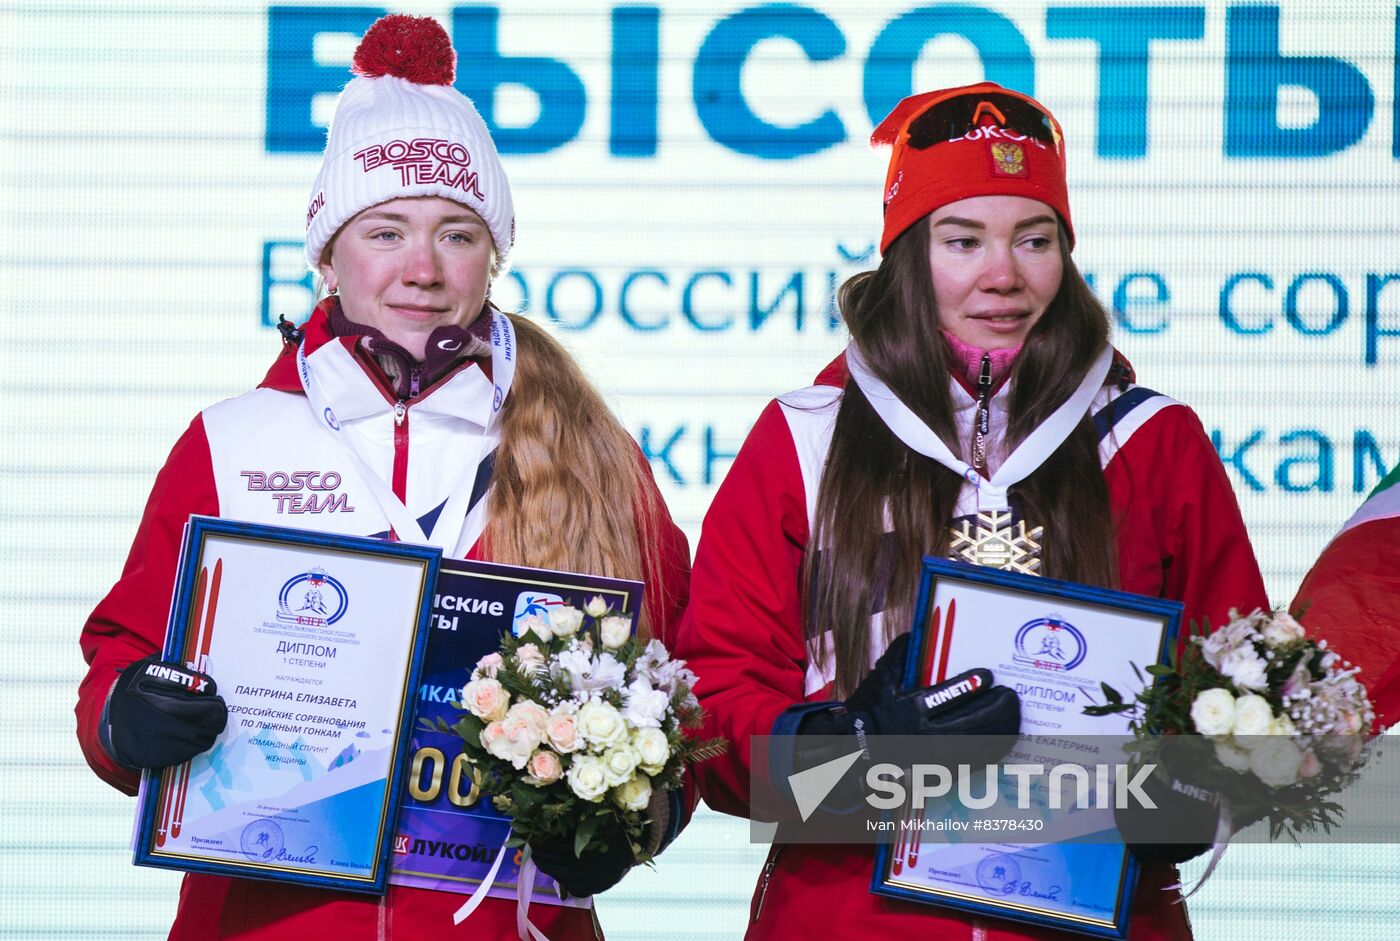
(573, 724)
(1279, 720)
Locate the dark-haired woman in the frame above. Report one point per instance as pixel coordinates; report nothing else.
(978, 412)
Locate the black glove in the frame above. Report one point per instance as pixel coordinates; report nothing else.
(597, 870)
(162, 714)
(1186, 814)
(967, 704)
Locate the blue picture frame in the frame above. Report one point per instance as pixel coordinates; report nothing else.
(936, 569)
(185, 613)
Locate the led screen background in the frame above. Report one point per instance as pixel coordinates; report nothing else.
(691, 181)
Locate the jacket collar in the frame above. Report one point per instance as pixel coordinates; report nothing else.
(835, 374)
(351, 381)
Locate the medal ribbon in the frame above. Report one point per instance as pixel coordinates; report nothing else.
(453, 530)
(1020, 464)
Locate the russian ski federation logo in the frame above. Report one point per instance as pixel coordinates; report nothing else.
(533, 604)
(1050, 643)
(313, 597)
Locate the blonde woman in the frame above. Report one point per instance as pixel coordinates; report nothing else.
(429, 416)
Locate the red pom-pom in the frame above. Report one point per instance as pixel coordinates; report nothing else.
(415, 48)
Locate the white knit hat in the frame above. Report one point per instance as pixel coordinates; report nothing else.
(401, 129)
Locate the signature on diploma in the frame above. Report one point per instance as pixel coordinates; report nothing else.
(306, 856)
(1027, 890)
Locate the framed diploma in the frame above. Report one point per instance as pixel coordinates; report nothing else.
(448, 833)
(317, 644)
(1053, 642)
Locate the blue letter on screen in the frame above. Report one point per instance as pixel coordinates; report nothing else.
(889, 70)
(482, 68)
(719, 98)
(1254, 72)
(294, 78)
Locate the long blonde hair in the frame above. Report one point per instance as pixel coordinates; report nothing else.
(568, 490)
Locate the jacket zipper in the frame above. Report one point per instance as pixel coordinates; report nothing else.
(764, 879)
(983, 427)
(400, 475)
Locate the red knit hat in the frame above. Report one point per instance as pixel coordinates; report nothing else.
(978, 140)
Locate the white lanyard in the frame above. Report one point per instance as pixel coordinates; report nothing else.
(451, 531)
(1020, 464)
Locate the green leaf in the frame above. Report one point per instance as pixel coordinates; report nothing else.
(1111, 694)
(1160, 669)
(586, 828)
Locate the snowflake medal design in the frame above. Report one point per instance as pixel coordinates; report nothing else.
(997, 539)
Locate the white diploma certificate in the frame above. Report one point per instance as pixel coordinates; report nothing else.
(316, 643)
(1055, 643)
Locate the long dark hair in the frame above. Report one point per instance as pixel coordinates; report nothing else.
(881, 507)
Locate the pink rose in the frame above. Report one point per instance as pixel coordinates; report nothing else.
(486, 699)
(491, 733)
(534, 716)
(545, 768)
(562, 732)
(530, 658)
(517, 741)
(487, 666)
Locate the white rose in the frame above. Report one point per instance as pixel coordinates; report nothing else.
(490, 734)
(619, 763)
(518, 740)
(1213, 712)
(1282, 726)
(530, 658)
(545, 768)
(596, 607)
(534, 624)
(1244, 667)
(487, 666)
(1282, 630)
(1253, 716)
(532, 714)
(643, 706)
(601, 725)
(652, 749)
(633, 794)
(486, 699)
(562, 730)
(614, 631)
(1276, 762)
(1232, 756)
(565, 620)
(586, 778)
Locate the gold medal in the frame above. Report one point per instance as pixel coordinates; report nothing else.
(991, 538)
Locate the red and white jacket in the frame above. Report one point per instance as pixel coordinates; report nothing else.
(264, 457)
(1180, 536)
